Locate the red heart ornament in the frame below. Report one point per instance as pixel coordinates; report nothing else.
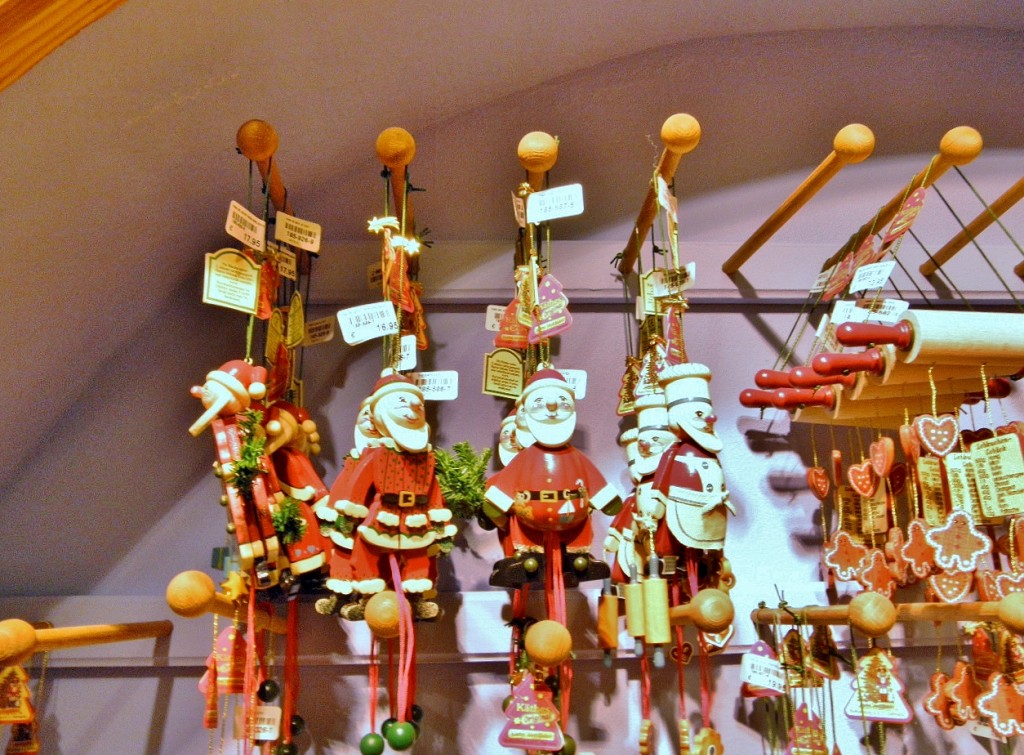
(882, 455)
(970, 437)
(898, 478)
(1009, 583)
(937, 434)
(862, 478)
(951, 588)
(818, 482)
(909, 443)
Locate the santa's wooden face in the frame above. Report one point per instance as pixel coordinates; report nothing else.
(651, 444)
(366, 432)
(550, 414)
(401, 415)
(696, 418)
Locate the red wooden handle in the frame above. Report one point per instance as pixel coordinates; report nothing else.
(755, 399)
(808, 377)
(900, 335)
(791, 398)
(835, 363)
(771, 379)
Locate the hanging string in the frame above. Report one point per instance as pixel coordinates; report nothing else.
(990, 211)
(942, 273)
(981, 252)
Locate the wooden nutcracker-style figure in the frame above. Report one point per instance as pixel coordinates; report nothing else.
(403, 520)
(549, 488)
(227, 394)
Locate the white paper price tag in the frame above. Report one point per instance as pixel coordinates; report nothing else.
(847, 311)
(319, 331)
(305, 234)
(407, 360)
(887, 311)
(762, 671)
(287, 262)
(246, 227)
(493, 317)
(577, 380)
(441, 385)
(870, 277)
(559, 202)
(368, 321)
(266, 723)
(822, 280)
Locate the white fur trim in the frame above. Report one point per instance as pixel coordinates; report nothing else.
(388, 519)
(417, 585)
(611, 543)
(369, 586)
(603, 497)
(344, 541)
(352, 509)
(450, 530)
(416, 520)
(327, 514)
(501, 500)
(340, 586)
(440, 515)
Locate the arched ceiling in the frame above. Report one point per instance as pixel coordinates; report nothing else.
(119, 157)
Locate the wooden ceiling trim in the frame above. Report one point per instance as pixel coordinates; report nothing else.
(32, 29)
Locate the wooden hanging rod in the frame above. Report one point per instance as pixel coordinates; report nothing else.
(192, 594)
(538, 153)
(20, 639)
(395, 149)
(958, 146)
(680, 134)
(258, 141)
(873, 615)
(973, 229)
(853, 144)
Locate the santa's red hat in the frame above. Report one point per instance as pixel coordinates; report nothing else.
(242, 379)
(392, 382)
(546, 378)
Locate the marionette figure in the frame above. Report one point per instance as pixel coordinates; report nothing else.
(403, 520)
(291, 437)
(227, 394)
(549, 489)
(689, 481)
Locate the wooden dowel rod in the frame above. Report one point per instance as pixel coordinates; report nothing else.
(538, 152)
(853, 144)
(958, 146)
(257, 141)
(19, 639)
(680, 134)
(192, 594)
(973, 229)
(873, 614)
(395, 149)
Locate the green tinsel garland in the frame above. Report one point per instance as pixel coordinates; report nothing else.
(288, 521)
(461, 474)
(250, 455)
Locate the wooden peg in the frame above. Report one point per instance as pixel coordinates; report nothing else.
(258, 141)
(680, 134)
(710, 610)
(972, 230)
(853, 144)
(192, 594)
(19, 639)
(538, 152)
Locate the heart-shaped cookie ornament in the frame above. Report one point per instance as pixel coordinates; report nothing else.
(882, 455)
(939, 435)
(862, 478)
(909, 443)
(818, 482)
(898, 478)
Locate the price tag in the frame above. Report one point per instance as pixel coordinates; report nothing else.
(826, 335)
(519, 209)
(285, 260)
(304, 234)
(888, 311)
(978, 729)
(762, 671)
(266, 723)
(960, 481)
(871, 277)
(849, 506)
(847, 311)
(231, 279)
(577, 380)
(999, 473)
(246, 227)
(440, 385)
(659, 284)
(374, 276)
(874, 512)
(559, 202)
(822, 280)
(493, 317)
(407, 359)
(319, 331)
(368, 321)
(667, 200)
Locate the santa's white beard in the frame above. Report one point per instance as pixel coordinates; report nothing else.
(412, 439)
(554, 434)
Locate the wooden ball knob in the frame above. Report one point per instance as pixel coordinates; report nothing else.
(1011, 612)
(395, 147)
(17, 641)
(960, 145)
(712, 610)
(680, 133)
(854, 143)
(382, 614)
(190, 594)
(257, 140)
(537, 152)
(548, 643)
(872, 614)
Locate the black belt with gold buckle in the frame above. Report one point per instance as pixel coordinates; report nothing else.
(549, 496)
(404, 498)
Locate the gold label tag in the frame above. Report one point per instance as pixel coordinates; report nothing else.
(999, 472)
(503, 374)
(929, 473)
